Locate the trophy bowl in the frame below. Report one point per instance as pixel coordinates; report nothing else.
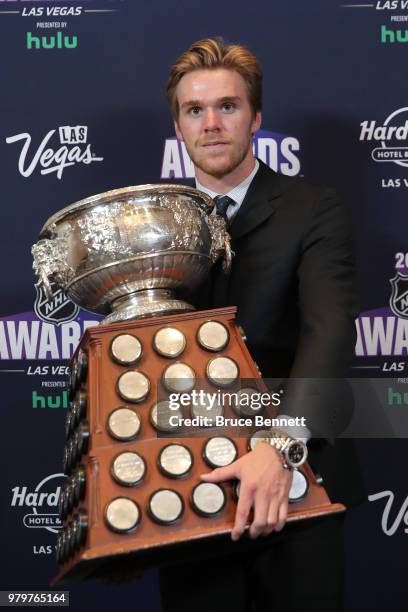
(124, 253)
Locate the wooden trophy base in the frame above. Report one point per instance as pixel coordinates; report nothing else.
(100, 537)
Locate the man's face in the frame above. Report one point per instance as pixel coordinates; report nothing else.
(215, 120)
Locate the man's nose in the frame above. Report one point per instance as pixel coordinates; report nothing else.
(212, 121)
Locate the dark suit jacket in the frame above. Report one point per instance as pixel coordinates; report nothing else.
(293, 281)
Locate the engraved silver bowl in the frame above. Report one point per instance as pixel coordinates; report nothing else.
(124, 252)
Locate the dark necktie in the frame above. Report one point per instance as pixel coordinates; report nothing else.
(221, 205)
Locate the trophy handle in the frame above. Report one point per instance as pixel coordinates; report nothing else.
(50, 256)
(220, 241)
(44, 281)
(228, 254)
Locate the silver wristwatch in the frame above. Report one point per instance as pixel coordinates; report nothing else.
(293, 451)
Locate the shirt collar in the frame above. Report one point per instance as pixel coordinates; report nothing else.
(237, 193)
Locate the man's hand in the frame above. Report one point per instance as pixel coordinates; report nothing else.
(264, 486)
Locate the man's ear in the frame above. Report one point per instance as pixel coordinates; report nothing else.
(177, 130)
(256, 124)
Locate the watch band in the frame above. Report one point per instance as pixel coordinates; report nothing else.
(280, 441)
(283, 443)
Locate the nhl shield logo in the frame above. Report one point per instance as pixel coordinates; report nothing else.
(399, 296)
(58, 310)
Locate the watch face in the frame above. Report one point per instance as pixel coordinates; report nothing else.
(296, 453)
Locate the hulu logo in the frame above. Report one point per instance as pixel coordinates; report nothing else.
(50, 401)
(59, 41)
(392, 36)
(395, 398)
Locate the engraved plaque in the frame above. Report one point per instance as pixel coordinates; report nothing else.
(70, 494)
(78, 532)
(70, 456)
(213, 336)
(62, 503)
(133, 386)
(299, 487)
(69, 540)
(81, 519)
(169, 342)
(166, 506)
(128, 469)
(126, 349)
(175, 460)
(220, 451)
(79, 481)
(179, 378)
(122, 515)
(82, 440)
(74, 536)
(124, 424)
(222, 371)
(160, 415)
(69, 423)
(76, 448)
(79, 407)
(208, 498)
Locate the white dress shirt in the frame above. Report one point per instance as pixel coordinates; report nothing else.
(237, 194)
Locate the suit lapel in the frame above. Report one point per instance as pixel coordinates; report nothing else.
(258, 203)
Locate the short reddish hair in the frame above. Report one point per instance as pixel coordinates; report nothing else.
(212, 53)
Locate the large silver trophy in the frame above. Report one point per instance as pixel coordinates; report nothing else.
(124, 252)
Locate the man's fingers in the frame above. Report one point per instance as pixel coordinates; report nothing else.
(273, 514)
(282, 516)
(220, 474)
(261, 507)
(243, 509)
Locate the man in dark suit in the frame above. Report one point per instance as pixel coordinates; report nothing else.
(292, 279)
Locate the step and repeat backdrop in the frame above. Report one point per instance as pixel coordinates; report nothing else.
(83, 111)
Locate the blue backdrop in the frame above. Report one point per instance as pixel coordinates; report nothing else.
(83, 111)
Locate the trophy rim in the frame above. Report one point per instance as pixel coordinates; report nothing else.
(106, 196)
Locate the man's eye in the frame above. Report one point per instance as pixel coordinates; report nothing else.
(195, 111)
(228, 107)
